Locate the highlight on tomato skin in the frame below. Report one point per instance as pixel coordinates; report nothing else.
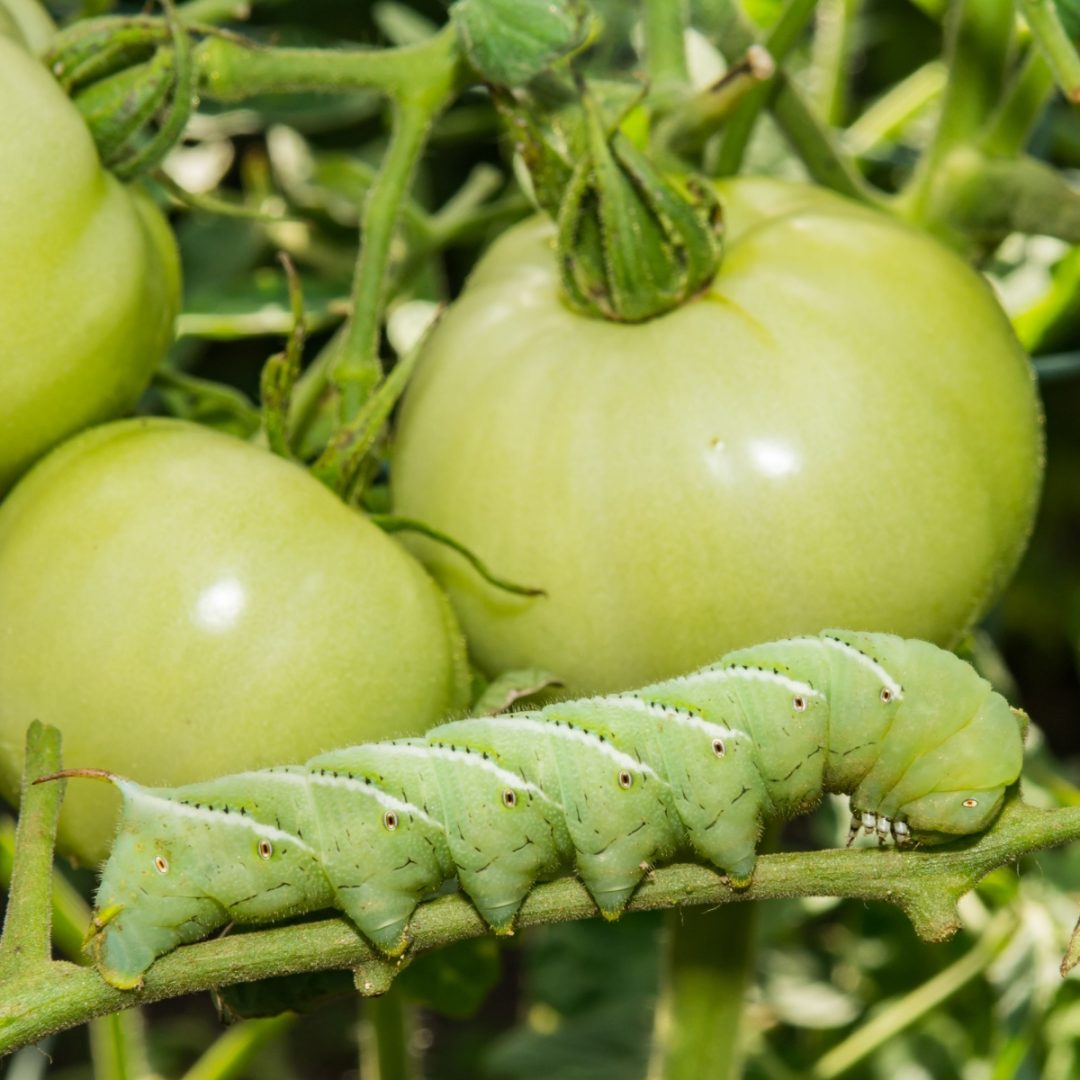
(844, 429)
(221, 610)
(89, 279)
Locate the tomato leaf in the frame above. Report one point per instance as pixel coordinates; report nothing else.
(511, 41)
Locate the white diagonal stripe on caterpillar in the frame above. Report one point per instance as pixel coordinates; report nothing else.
(753, 674)
(478, 761)
(372, 791)
(683, 717)
(209, 815)
(826, 642)
(596, 742)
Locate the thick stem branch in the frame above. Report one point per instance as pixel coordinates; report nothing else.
(926, 885)
(231, 69)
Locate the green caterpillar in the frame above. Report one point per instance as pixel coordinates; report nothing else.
(691, 766)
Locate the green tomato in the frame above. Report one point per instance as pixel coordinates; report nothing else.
(26, 22)
(182, 604)
(89, 275)
(843, 431)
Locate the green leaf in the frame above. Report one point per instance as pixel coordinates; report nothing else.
(511, 41)
(510, 687)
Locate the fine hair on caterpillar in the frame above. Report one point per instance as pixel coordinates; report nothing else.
(691, 767)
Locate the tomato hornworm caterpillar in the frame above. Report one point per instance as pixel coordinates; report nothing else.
(690, 766)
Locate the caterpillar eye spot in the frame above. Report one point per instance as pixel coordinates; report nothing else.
(798, 703)
(390, 820)
(886, 695)
(161, 864)
(265, 849)
(626, 780)
(970, 804)
(509, 798)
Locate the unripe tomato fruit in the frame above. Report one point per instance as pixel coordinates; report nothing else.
(89, 274)
(843, 431)
(182, 604)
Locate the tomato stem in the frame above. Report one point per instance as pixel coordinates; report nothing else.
(42, 996)
(699, 1016)
(664, 24)
(1053, 39)
(813, 141)
(978, 38)
(357, 369)
(25, 944)
(786, 32)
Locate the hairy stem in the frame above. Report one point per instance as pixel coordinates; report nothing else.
(26, 940)
(832, 57)
(814, 142)
(783, 37)
(357, 369)
(977, 48)
(384, 1041)
(1053, 39)
(664, 23)
(231, 69)
(44, 996)
(711, 956)
(1025, 99)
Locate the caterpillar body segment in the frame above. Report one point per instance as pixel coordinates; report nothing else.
(606, 787)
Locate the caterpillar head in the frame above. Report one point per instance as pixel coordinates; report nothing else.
(147, 902)
(977, 766)
(152, 896)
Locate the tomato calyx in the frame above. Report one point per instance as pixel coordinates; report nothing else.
(133, 81)
(632, 242)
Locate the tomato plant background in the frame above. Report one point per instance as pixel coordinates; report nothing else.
(576, 1001)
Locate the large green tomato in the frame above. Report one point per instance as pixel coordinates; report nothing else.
(182, 604)
(89, 276)
(843, 431)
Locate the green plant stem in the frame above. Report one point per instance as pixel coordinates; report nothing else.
(232, 69)
(664, 23)
(26, 941)
(118, 1046)
(212, 12)
(888, 115)
(687, 129)
(1052, 38)
(978, 37)
(43, 996)
(70, 913)
(709, 968)
(358, 370)
(1010, 127)
(420, 80)
(911, 1008)
(384, 1046)
(815, 144)
(832, 57)
(787, 30)
(231, 1052)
